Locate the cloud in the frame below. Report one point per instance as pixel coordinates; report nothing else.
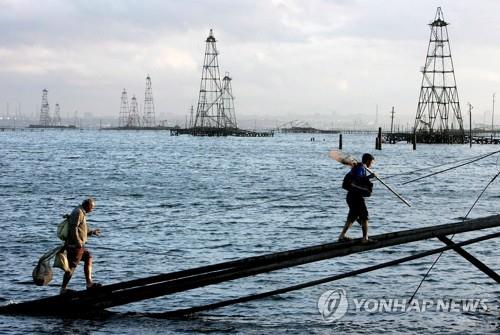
(286, 57)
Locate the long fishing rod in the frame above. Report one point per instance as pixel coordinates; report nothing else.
(451, 168)
(389, 188)
(439, 256)
(439, 165)
(351, 161)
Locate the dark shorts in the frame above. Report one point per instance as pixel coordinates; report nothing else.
(75, 255)
(357, 207)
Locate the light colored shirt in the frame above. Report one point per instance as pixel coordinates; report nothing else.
(78, 229)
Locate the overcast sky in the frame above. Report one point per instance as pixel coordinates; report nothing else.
(316, 61)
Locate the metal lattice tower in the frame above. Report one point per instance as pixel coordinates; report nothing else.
(228, 102)
(124, 110)
(56, 120)
(134, 120)
(149, 107)
(438, 108)
(210, 109)
(191, 112)
(45, 110)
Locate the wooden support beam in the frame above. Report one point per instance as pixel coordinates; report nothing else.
(352, 247)
(476, 262)
(292, 258)
(197, 309)
(271, 262)
(146, 288)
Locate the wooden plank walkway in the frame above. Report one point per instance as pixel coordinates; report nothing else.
(169, 283)
(192, 310)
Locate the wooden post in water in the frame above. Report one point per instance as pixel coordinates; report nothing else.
(379, 138)
(340, 141)
(470, 125)
(492, 118)
(391, 139)
(414, 140)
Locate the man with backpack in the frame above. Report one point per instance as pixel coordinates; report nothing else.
(357, 183)
(78, 232)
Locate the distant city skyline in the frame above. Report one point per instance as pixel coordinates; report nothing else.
(325, 63)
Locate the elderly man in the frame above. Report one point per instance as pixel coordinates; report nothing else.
(78, 232)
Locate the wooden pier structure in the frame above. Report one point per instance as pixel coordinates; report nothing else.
(307, 130)
(41, 126)
(82, 303)
(212, 131)
(408, 137)
(32, 129)
(137, 128)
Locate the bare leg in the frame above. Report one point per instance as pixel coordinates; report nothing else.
(66, 278)
(347, 226)
(364, 227)
(88, 271)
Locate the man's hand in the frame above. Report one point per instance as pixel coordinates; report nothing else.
(96, 232)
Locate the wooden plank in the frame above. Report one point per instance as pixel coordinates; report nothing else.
(482, 223)
(292, 258)
(197, 309)
(146, 288)
(474, 261)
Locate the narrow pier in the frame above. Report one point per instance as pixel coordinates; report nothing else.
(220, 132)
(39, 126)
(93, 301)
(137, 128)
(440, 138)
(307, 130)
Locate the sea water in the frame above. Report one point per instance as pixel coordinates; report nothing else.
(166, 203)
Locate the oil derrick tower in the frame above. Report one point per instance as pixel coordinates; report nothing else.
(134, 120)
(124, 110)
(438, 118)
(56, 120)
(228, 102)
(149, 107)
(210, 114)
(191, 110)
(215, 114)
(45, 110)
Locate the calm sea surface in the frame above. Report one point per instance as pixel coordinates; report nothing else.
(169, 203)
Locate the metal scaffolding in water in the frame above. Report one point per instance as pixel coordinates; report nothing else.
(134, 120)
(210, 113)
(438, 118)
(45, 110)
(56, 120)
(215, 112)
(191, 112)
(124, 110)
(228, 102)
(149, 108)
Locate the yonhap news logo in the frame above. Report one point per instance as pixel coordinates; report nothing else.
(334, 304)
